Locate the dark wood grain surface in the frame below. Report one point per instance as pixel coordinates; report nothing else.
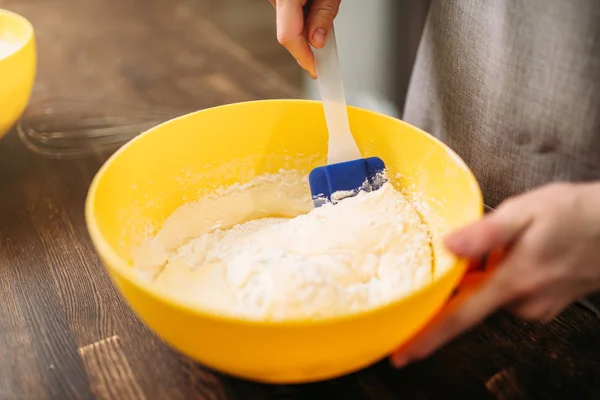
(65, 333)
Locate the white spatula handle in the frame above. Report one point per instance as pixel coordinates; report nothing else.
(342, 146)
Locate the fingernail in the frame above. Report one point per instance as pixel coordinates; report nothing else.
(318, 39)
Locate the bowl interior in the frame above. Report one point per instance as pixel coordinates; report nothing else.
(15, 32)
(185, 158)
(18, 63)
(182, 159)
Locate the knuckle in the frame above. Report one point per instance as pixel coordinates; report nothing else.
(534, 247)
(512, 203)
(328, 8)
(529, 284)
(284, 38)
(490, 232)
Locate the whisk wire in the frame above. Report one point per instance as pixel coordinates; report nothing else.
(58, 128)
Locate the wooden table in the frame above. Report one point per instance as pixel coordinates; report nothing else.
(65, 333)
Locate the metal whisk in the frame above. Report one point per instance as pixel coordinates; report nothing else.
(75, 128)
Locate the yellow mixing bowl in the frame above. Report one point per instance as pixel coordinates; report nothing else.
(175, 162)
(17, 67)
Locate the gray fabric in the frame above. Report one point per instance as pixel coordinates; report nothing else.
(513, 86)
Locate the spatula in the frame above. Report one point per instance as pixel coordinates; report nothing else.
(347, 172)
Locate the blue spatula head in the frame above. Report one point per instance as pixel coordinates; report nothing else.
(346, 179)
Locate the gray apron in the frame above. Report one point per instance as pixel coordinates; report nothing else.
(513, 86)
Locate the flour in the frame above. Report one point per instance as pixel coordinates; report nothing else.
(280, 259)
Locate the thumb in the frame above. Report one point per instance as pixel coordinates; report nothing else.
(320, 21)
(291, 32)
(478, 298)
(495, 231)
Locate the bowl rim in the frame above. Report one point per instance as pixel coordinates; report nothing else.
(30, 32)
(115, 265)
